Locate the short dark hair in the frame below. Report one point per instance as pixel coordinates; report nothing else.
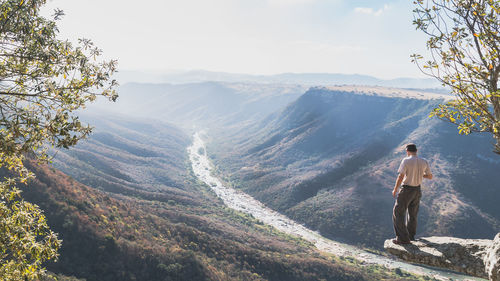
(411, 147)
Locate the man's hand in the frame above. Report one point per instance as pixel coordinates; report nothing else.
(395, 192)
(399, 180)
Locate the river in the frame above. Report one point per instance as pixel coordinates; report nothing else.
(243, 202)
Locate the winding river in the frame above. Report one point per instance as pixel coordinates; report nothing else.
(240, 201)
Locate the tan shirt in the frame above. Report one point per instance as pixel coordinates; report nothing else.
(414, 169)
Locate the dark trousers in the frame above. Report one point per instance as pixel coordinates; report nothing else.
(404, 215)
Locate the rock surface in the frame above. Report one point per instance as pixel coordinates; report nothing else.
(492, 259)
(475, 257)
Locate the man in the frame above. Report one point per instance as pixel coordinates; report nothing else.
(411, 173)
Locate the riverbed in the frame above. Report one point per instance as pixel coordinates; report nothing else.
(243, 202)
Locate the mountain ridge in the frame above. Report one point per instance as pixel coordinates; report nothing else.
(311, 79)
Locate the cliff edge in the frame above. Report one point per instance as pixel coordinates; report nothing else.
(475, 257)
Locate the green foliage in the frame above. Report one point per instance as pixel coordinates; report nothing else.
(26, 240)
(43, 81)
(464, 44)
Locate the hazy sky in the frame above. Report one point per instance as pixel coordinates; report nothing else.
(250, 36)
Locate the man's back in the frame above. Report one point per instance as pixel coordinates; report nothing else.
(414, 169)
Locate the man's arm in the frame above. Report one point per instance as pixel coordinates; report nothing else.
(427, 172)
(399, 180)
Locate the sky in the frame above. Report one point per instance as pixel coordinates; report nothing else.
(249, 36)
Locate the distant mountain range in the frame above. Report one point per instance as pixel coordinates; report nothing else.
(200, 105)
(307, 79)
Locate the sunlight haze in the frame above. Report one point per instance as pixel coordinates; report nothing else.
(255, 37)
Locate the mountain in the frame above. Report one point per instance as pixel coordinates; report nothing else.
(130, 157)
(142, 215)
(200, 104)
(310, 79)
(329, 160)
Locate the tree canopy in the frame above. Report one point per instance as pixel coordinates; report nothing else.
(464, 44)
(43, 82)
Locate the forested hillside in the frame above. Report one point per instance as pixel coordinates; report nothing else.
(152, 228)
(127, 156)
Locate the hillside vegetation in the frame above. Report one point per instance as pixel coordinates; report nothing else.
(152, 228)
(330, 158)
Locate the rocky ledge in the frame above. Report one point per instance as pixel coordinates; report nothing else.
(475, 257)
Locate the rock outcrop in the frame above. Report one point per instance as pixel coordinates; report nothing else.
(475, 257)
(492, 259)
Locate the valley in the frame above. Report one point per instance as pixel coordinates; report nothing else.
(329, 160)
(323, 157)
(240, 201)
(110, 236)
(118, 221)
